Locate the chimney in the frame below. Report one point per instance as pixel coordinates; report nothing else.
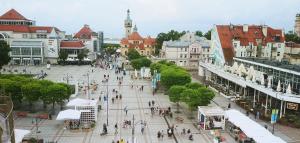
(265, 30)
(245, 28)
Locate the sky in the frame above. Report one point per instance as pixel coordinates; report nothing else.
(154, 16)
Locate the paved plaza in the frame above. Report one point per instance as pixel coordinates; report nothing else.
(136, 102)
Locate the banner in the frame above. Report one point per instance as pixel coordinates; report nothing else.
(274, 116)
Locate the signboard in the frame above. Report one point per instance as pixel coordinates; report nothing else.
(52, 49)
(292, 106)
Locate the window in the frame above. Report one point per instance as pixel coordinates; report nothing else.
(36, 51)
(95, 45)
(25, 51)
(241, 54)
(24, 35)
(278, 53)
(15, 51)
(185, 49)
(181, 49)
(185, 55)
(235, 45)
(180, 55)
(41, 36)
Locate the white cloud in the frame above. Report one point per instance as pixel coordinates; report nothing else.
(154, 16)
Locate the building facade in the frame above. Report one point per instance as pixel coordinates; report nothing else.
(30, 44)
(297, 24)
(228, 41)
(92, 40)
(72, 48)
(133, 40)
(187, 51)
(292, 53)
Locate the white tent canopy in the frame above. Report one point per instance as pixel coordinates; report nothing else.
(262, 79)
(82, 102)
(69, 114)
(19, 134)
(118, 50)
(278, 86)
(289, 89)
(252, 129)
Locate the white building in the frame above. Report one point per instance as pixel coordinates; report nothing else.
(30, 44)
(91, 40)
(187, 51)
(228, 41)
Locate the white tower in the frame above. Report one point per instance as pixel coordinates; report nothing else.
(128, 24)
(297, 24)
(135, 28)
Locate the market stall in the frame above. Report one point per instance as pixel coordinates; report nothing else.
(243, 129)
(88, 108)
(211, 117)
(20, 134)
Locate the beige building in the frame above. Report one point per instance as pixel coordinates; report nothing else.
(133, 40)
(297, 24)
(292, 52)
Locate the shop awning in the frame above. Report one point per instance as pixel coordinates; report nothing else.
(252, 129)
(82, 102)
(211, 110)
(69, 114)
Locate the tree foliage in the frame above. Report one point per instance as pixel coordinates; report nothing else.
(63, 55)
(173, 76)
(57, 93)
(199, 33)
(194, 85)
(133, 54)
(140, 62)
(171, 35)
(207, 35)
(291, 36)
(82, 54)
(4, 53)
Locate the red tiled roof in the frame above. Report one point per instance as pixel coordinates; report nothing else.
(135, 36)
(149, 41)
(26, 29)
(12, 15)
(227, 34)
(124, 41)
(71, 45)
(84, 33)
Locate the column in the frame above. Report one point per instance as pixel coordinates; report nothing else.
(266, 104)
(281, 102)
(254, 99)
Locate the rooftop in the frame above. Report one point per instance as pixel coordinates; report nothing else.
(282, 65)
(13, 15)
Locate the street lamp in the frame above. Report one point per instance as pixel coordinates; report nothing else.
(36, 122)
(88, 83)
(67, 78)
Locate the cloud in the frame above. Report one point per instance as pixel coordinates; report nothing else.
(154, 16)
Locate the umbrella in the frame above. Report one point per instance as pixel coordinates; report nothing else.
(242, 68)
(262, 82)
(269, 83)
(253, 78)
(278, 86)
(234, 67)
(69, 114)
(289, 89)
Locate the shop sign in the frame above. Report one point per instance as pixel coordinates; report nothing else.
(292, 106)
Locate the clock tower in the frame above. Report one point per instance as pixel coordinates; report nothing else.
(128, 24)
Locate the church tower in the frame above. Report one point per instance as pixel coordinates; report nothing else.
(128, 24)
(297, 24)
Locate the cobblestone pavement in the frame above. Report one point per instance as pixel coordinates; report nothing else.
(136, 102)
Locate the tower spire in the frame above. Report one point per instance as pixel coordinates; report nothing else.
(128, 14)
(135, 28)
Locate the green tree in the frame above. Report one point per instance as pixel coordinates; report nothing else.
(161, 37)
(57, 94)
(4, 53)
(199, 33)
(140, 62)
(207, 35)
(82, 54)
(291, 36)
(63, 55)
(31, 92)
(175, 94)
(197, 97)
(133, 54)
(44, 92)
(172, 76)
(194, 85)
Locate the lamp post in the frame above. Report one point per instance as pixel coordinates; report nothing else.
(67, 77)
(88, 83)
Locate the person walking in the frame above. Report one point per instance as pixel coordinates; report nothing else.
(149, 103)
(113, 100)
(142, 129)
(153, 102)
(229, 105)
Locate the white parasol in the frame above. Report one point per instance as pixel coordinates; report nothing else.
(278, 86)
(289, 89)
